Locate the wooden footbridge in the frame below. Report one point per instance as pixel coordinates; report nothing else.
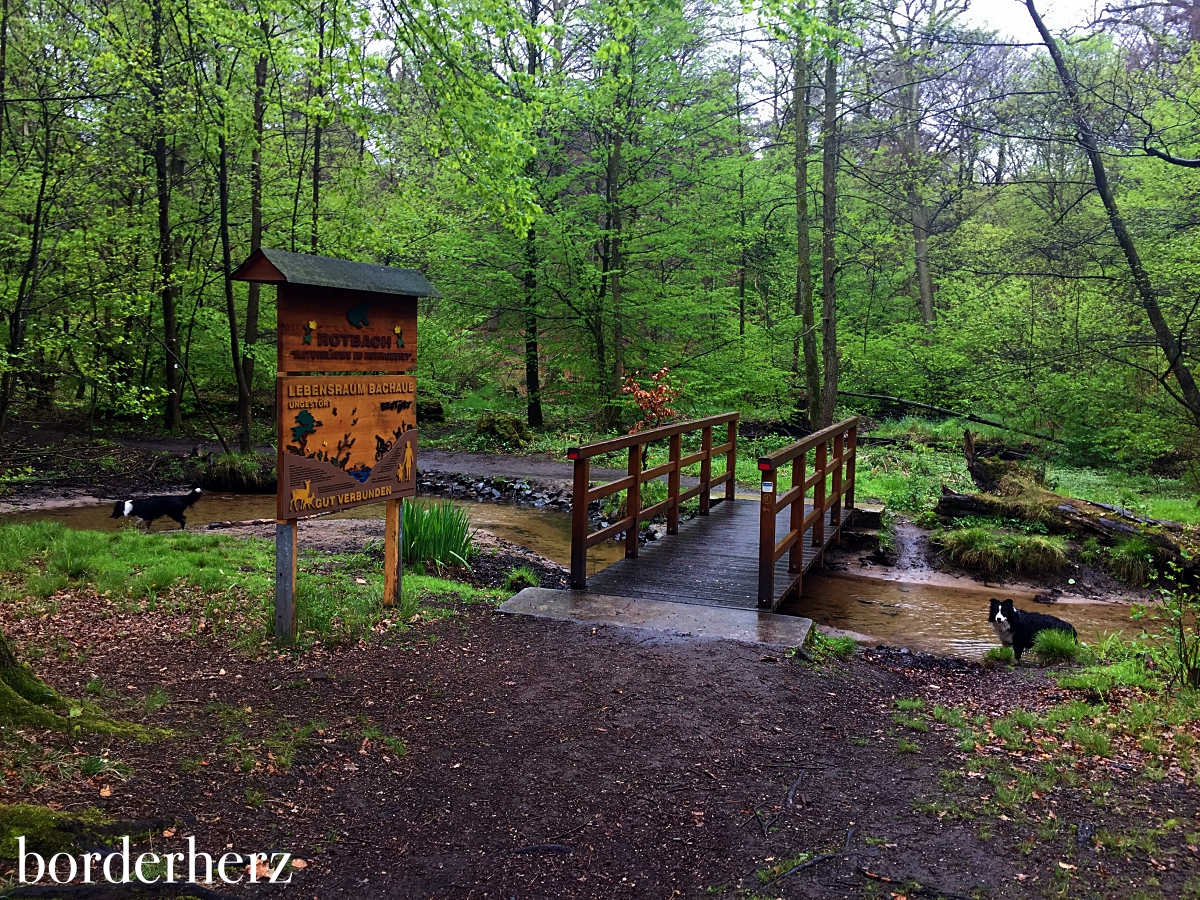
(736, 554)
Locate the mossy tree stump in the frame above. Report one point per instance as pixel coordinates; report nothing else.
(25, 699)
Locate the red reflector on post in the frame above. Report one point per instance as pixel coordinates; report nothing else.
(764, 467)
(573, 453)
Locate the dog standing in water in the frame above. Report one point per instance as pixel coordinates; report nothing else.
(1018, 629)
(147, 509)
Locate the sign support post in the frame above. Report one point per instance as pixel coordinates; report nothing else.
(393, 553)
(285, 580)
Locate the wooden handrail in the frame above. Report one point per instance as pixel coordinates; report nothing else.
(832, 484)
(786, 454)
(637, 475)
(587, 451)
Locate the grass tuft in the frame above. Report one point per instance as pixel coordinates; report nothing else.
(1054, 646)
(1131, 560)
(520, 578)
(823, 648)
(993, 550)
(974, 548)
(999, 656)
(437, 533)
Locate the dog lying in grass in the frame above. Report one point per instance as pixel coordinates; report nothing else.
(147, 509)
(1018, 629)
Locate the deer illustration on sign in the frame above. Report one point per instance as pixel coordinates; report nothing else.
(302, 498)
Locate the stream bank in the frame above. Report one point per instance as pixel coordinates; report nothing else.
(915, 604)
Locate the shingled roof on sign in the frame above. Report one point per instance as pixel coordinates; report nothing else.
(275, 266)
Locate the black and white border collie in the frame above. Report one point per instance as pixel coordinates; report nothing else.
(1017, 629)
(147, 509)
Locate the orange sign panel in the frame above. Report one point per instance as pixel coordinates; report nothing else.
(345, 331)
(345, 440)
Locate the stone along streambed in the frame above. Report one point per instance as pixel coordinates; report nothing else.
(936, 618)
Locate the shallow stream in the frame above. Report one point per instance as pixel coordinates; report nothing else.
(934, 618)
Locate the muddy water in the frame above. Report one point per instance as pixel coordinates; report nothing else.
(936, 618)
(545, 532)
(931, 617)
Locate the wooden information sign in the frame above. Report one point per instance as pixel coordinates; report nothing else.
(368, 332)
(343, 440)
(346, 440)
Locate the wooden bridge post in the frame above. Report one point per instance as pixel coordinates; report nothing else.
(766, 542)
(706, 470)
(676, 454)
(579, 524)
(633, 501)
(852, 450)
(835, 510)
(820, 469)
(731, 460)
(796, 553)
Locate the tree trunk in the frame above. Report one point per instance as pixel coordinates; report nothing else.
(533, 387)
(804, 280)
(230, 307)
(18, 321)
(256, 185)
(920, 226)
(830, 151)
(533, 378)
(316, 168)
(614, 226)
(1188, 394)
(173, 415)
(918, 214)
(742, 241)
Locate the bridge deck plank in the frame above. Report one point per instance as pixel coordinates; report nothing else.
(713, 561)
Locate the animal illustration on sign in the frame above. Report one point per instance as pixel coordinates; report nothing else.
(302, 498)
(357, 315)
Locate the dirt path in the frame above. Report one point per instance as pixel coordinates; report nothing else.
(551, 760)
(543, 760)
(540, 467)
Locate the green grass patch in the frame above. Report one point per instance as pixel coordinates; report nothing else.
(999, 656)
(287, 741)
(1137, 491)
(520, 578)
(823, 649)
(1131, 560)
(1104, 678)
(993, 550)
(1053, 646)
(227, 584)
(128, 564)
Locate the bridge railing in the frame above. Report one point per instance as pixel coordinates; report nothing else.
(832, 485)
(584, 493)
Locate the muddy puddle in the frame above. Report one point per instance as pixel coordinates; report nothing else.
(930, 617)
(936, 618)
